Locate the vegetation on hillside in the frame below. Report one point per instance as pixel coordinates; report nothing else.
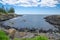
(6, 14)
(11, 10)
(3, 10)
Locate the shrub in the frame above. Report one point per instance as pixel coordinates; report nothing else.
(3, 36)
(40, 38)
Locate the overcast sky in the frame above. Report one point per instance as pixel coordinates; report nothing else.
(33, 6)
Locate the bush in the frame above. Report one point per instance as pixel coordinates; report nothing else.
(3, 35)
(40, 38)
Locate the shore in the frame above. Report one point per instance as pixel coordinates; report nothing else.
(4, 17)
(18, 34)
(26, 33)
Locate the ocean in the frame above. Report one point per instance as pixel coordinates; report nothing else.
(29, 21)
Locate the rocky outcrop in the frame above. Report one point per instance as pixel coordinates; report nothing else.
(53, 19)
(11, 33)
(4, 17)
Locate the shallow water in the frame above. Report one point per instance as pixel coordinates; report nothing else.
(29, 21)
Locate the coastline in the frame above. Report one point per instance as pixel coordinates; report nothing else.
(22, 34)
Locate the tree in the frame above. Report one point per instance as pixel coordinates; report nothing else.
(2, 10)
(11, 10)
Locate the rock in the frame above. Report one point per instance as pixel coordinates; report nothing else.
(53, 36)
(4, 17)
(11, 33)
(22, 34)
(53, 19)
(29, 35)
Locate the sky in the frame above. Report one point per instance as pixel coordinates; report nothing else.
(33, 6)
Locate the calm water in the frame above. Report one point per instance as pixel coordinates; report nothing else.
(29, 21)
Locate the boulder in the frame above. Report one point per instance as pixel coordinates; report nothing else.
(11, 32)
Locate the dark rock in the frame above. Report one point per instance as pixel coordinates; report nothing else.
(53, 19)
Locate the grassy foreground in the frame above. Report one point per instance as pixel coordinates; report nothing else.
(35, 38)
(3, 35)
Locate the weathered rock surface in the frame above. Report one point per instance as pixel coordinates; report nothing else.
(53, 19)
(15, 33)
(8, 16)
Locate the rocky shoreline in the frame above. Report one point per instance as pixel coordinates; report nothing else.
(53, 20)
(28, 33)
(4, 17)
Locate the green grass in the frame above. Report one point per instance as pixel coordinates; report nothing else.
(35, 38)
(3, 35)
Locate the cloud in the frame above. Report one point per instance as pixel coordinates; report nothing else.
(48, 3)
(31, 3)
